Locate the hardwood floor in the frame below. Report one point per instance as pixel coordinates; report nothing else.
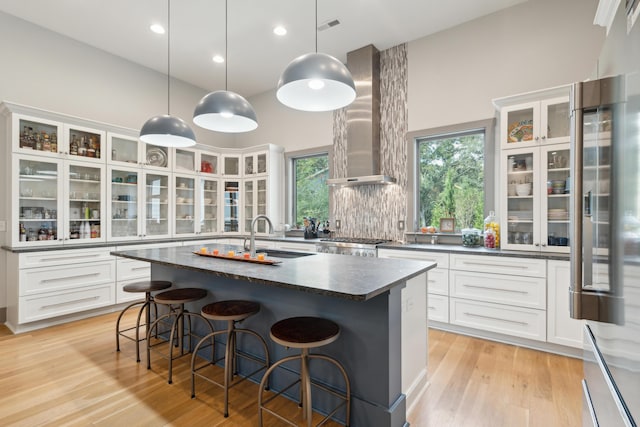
(71, 375)
(474, 382)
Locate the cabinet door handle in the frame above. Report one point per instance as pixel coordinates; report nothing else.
(59, 279)
(431, 307)
(484, 264)
(537, 138)
(489, 288)
(517, 322)
(63, 258)
(146, 267)
(544, 137)
(71, 302)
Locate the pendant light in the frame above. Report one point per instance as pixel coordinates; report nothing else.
(166, 130)
(223, 110)
(316, 82)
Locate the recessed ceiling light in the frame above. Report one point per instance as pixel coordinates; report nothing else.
(280, 30)
(219, 59)
(157, 28)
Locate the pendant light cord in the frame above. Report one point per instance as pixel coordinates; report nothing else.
(169, 57)
(316, 28)
(226, 42)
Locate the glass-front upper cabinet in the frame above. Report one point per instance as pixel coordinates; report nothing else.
(123, 150)
(185, 160)
(534, 123)
(157, 205)
(208, 210)
(85, 143)
(231, 165)
(231, 206)
(156, 157)
(521, 199)
(555, 205)
(123, 195)
(255, 163)
(85, 208)
(185, 205)
(255, 203)
(208, 163)
(37, 202)
(32, 135)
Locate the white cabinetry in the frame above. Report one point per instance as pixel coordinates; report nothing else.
(437, 280)
(293, 246)
(56, 283)
(534, 170)
(499, 295)
(561, 328)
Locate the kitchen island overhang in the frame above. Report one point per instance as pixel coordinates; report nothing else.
(363, 295)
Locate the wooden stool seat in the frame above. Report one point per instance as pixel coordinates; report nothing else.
(181, 296)
(176, 299)
(305, 332)
(147, 286)
(230, 310)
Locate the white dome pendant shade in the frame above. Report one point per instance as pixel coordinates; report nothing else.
(167, 131)
(225, 111)
(316, 82)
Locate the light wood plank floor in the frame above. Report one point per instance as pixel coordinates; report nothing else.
(477, 383)
(71, 375)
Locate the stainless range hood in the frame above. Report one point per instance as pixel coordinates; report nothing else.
(363, 122)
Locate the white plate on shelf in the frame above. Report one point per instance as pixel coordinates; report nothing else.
(156, 157)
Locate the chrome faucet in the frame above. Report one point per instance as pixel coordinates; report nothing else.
(252, 241)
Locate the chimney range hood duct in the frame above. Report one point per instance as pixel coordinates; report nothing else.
(363, 122)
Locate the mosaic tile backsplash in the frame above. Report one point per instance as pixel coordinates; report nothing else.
(374, 210)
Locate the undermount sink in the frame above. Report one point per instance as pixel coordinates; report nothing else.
(283, 254)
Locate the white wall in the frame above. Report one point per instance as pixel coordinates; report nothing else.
(292, 129)
(454, 75)
(49, 71)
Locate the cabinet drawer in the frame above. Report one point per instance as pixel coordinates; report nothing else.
(499, 265)
(438, 257)
(438, 281)
(39, 280)
(438, 308)
(129, 269)
(521, 291)
(302, 247)
(70, 256)
(44, 306)
(509, 320)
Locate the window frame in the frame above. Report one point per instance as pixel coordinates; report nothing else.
(290, 190)
(491, 187)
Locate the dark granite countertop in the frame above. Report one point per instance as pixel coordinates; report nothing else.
(149, 242)
(340, 276)
(459, 249)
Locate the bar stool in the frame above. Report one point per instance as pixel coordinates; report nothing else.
(233, 312)
(305, 333)
(176, 299)
(146, 286)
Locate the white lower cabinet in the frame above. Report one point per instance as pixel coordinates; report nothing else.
(561, 328)
(293, 246)
(56, 283)
(499, 294)
(437, 280)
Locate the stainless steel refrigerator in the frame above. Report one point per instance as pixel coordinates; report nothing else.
(605, 222)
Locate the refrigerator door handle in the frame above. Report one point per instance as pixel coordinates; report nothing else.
(587, 398)
(587, 242)
(576, 200)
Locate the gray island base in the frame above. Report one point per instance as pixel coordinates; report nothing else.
(362, 295)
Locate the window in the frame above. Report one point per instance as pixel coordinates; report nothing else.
(308, 189)
(453, 175)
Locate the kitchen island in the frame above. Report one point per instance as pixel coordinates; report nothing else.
(362, 295)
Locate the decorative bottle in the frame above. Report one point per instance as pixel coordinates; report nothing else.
(491, 231)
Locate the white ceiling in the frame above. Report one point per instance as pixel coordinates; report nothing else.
(256, 56)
